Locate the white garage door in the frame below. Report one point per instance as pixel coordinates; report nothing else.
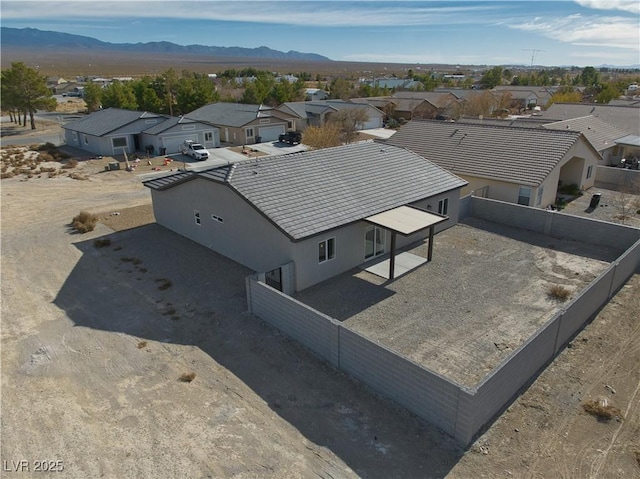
(172, 143)
(374, 122)
(270, 133)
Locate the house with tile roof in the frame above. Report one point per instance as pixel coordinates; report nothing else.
(305, 217)
(244, 124)
(600, 134)
(115, 131)
(317, 113)
(516, 165)
(623, 117)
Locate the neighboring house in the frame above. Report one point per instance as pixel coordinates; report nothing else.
(115, 131)
(244, 124)
(517, 165)
(601, 135)
(305, 217)
(315, 94)
(393, 83)
(413, 105)
(317, 113)
(525, 97)
(625, 118)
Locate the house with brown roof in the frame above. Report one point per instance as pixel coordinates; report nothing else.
(517, 165)
(245, 124)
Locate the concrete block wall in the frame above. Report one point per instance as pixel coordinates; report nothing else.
(626, 265)
(554, 223)
(614, 178)
(317, 331)
(494, 393)
(421, 391)
(583, 307)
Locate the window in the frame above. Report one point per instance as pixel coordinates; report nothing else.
(196, 217)
(86, 140)
(264, 121)
(443, 206)
(217, 218)
(74, 135)
(373, 242)
(208, 136)
(540, 192)
(150, 122)
(524, 196)
(326, 250)
(290, 125)
(117, 142)
(589, 171)
(188, 127)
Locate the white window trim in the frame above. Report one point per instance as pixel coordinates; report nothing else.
(326, 249)
(522, 196)
(443, 206)
(249, 130)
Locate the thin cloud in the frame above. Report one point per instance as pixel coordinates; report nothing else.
(614, 32)
(339, 14)
(632, 6)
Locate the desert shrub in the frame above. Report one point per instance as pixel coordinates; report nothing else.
(84, 222)
(602, 409)
(142, 344)
(44, 156)
(44, 147)
(102, 242)
(78, 176)
(70, 164)
(7, 174)
(559, 292)
(53, 174)
(187, 377)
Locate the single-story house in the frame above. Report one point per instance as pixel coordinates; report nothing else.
(315, 94)
(517, 165)
(413, 104)
(317, 113)
(525, 97)
(305, 217)
(244, 124)
(601, 135)
(625, 118)
(115, 131)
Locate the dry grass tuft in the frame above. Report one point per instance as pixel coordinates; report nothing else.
(187, 377)
(84, 222)
(602, 409)
(559, 292)
(142, 344)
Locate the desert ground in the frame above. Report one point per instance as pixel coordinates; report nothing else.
(96, 336)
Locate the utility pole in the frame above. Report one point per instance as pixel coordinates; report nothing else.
(533, 54)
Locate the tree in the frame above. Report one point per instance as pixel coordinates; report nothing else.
(492, 78)
(609, 92)
(589, 77)
(25, 91)
(627, 199)
(316, 137)
(565, 95)
(348, 121)
(194, 91)
(119, 95)
(340, 89)
(93, 96)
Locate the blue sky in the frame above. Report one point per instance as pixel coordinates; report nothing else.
(580, 32)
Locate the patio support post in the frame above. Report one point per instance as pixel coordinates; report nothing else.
(392, 256)
(430, 253)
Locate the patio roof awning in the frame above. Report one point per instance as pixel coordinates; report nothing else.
(405, 220)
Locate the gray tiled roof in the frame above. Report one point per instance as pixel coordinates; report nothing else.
(305, 109)
(105, 121)
(169, 123)
(600, 134)
(164, 182)
(523, 156)
(229, 114)
(314, 191)
(626, 118)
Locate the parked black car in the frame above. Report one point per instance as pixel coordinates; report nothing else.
(291, 137)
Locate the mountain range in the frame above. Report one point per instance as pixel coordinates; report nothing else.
(42, 39)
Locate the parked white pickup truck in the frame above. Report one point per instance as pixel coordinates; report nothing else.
(194, 150)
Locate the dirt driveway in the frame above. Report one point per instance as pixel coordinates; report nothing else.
(95, 339)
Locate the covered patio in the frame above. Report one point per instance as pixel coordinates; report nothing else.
(405, 220)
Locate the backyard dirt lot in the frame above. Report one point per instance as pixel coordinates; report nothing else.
(95, 337)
